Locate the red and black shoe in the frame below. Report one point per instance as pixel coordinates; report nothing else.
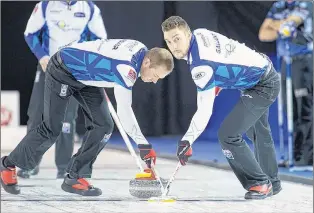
(79, 186)
(276, 187)
(259, 192)
(8, 179)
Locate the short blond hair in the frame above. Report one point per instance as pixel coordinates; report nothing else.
(174, 22)
(160, 57)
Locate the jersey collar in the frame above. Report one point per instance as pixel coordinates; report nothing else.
(70, 3)
(138, 59)
(187, 57)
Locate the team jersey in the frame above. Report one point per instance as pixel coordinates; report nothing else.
(281, 10)
(229, 64)
(109, 63)
(216, 60)
(54, 24)
(105, 62)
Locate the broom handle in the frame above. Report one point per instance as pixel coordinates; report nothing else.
(166, 191)
(123, 133)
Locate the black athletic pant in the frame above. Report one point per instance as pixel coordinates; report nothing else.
(60, 86)
(64, 143)
(250, 116)
(302, 81)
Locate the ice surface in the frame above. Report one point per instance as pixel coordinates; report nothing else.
(198, 188)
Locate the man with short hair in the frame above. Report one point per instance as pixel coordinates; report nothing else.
(52, 25)
(80, 70)
(217, 61)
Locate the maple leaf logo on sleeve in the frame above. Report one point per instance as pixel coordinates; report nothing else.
(132, 75)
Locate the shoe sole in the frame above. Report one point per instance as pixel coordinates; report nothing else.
(61, 175)
(258, 197)
(12, 189)
(68, 188)
(277, 191)
(27, 175)
(23, 176)
(34, 173)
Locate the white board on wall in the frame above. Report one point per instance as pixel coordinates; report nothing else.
(10, 108)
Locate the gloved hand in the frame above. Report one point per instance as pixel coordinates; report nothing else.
(287, 30)
(184, 151)
(217, 90)
(148, 155)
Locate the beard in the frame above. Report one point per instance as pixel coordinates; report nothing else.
(178, 55)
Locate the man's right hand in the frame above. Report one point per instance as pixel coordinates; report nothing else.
(148, 155)
(44, 62)
(184, 151)
(287, 30)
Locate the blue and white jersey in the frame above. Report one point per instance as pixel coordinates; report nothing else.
(216, 60)
(54, 24)
(105, 62)
(110, 63)
(304, 9)
(282, 9)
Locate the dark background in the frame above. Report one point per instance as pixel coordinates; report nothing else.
(165, 108)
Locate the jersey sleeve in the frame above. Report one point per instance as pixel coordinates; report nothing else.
(205, 102)
(301, 11)
(126, 75)
(272, 11)
(96, 25)
(203, 77)
(126, 115)
(34, 26)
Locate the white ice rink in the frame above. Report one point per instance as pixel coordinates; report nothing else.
(198, 188)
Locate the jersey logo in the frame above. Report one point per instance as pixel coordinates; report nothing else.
(132, 75)
(205, 39)
(79, 14)
(61, 24)
(116, 46)
(218, 48)
(230, 47)
(198, 75)
(55, 11)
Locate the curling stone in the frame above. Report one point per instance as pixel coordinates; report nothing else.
(145, 185)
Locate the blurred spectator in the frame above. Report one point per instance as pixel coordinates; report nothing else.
(52, 25)
(292, 20)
